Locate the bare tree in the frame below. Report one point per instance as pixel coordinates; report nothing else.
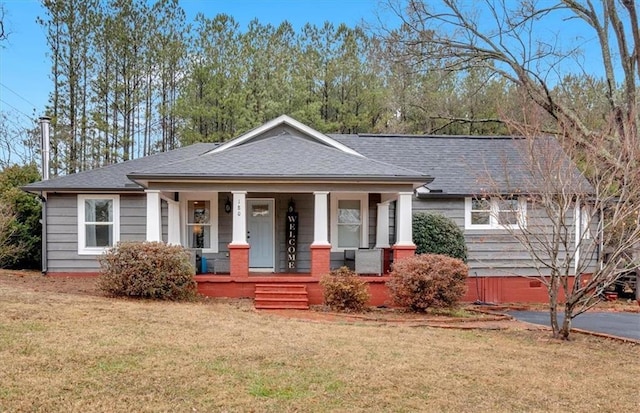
(18, 144)
(580, 233)
(7, 247)
(4, 34)
(521, 41)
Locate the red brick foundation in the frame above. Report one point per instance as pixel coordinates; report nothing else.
(508, 289)
(497, 290)
(239, 260)
(320, 260)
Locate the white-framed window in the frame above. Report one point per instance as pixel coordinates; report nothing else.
(349, 221)
(493, 213)
(98, 223)
(200, 220)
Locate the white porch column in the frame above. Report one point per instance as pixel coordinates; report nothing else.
(154, 222)
(404, 212)
(320, 219)
(173, 236)
(239, 211)
(382, 226)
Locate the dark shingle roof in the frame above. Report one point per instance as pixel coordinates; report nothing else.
(461, 165)
(114, 177)
(284, 155)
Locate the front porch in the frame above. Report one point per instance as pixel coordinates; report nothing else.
(248, 234)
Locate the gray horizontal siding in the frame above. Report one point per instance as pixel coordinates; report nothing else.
(491, 252)
(62, 227)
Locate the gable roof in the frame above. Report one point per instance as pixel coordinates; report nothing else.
(283, 156)
(285, 120)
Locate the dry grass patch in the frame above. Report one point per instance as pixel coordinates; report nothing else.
(65, 352)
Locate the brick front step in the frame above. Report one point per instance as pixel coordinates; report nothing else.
(281, 296)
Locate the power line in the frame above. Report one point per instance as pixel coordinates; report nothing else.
(17, 94)
(31, 118)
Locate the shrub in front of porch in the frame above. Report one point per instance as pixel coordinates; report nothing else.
(427, 280)
(343, 290)
(147, 270)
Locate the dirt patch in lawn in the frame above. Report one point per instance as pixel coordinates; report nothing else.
(35, 281)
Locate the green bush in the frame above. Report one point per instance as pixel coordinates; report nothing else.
(428, 280)
(436, 234)
(147, 270)
(344, 291)
(23, 233)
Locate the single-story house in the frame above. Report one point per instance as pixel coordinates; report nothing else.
(283, 204)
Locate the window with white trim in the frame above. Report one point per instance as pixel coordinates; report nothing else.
(349, 221)
(98, 223)
(200, 218)
(492, 213)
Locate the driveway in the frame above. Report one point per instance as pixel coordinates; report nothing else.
(626, 325)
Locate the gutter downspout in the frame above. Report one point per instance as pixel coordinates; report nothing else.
(43, 223)
(44, 142)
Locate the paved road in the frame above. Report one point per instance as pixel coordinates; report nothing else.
(618, 324)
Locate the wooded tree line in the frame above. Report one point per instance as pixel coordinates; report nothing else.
(132, 78)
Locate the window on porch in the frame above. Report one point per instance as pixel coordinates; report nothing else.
(199, 224)
(349, 218)
(200, 220)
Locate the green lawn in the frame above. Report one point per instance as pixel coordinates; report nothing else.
(79, 353)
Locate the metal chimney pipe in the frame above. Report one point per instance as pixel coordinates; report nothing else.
(44, 143)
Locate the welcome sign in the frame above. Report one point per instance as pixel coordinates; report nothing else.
(292, 236)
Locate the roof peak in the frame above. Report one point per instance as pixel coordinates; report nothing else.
(284, 120)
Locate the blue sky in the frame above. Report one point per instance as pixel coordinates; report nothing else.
(25, 67)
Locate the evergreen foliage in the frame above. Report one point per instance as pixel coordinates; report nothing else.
(133, 78)
(23, 231)
(437, 234)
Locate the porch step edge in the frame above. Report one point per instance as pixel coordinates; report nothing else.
(281, 296)
(283, 299)
(281, 286)
(281, 307)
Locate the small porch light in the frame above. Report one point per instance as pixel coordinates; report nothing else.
(227, 206)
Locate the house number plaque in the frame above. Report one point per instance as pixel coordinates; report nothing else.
(292, 235)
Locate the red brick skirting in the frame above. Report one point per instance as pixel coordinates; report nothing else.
(498, 289)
